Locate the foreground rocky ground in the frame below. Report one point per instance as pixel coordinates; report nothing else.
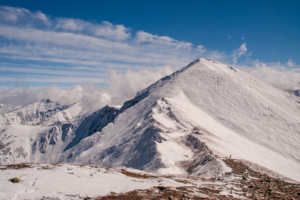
(246, 181)
(242, 183)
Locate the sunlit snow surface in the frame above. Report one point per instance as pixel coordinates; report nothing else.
(224, 142)
(72, 182)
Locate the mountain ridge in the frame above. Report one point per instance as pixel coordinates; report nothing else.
(186, 123)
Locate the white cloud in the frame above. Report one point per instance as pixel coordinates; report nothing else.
(125, 86)
(70, 24)
(58, 39)
(239, 52)
(42, 17)
(22, 16)
(53, 79)
(12, 14)
(39, 48)
(97, 46)
(51, 71)
(122, 87)
(290, 63)
(279, 75)
(144, 37)
(201, 49)
(104, 29)
(107, 29)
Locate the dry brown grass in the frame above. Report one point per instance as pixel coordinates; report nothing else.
(136, 175)
(148, 194)
(16, 166)
(46, 167)
(183, 181)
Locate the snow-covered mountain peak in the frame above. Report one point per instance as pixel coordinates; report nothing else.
(197, 69)
(46, 100)
(32, 114)
(237, 114)
(185, 123)
(43, 112)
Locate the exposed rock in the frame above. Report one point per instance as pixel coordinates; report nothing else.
(203, 162)
(171, 188)
(173, 198)
(189, 196)
(161, 188)
(15, 180)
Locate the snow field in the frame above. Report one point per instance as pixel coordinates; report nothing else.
(72, 181)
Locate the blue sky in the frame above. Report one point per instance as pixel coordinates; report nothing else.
(77, 42)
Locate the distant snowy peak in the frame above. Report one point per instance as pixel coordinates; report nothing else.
(33, 114)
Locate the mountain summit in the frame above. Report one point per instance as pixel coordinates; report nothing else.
(185, 123)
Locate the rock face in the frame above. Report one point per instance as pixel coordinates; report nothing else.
(184, 123)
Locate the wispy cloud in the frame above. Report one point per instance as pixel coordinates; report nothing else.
(36, 38)
(38, 48)
(11, 14)
(18, 16)
(290, 63)
(123, 86)
(239, 52)
(285, 76)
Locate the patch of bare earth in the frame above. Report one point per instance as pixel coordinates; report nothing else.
(242, 182)
(257, 185)
(136, 175)
(15, 166)
(162, 194)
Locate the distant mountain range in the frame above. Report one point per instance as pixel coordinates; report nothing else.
(185, 123)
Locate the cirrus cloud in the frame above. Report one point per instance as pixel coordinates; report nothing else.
(33, 38)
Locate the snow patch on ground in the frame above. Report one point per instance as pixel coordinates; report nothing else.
(66, 181)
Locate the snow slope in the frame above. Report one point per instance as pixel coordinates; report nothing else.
(184, 123)
(73, 182)
(40, 131)
(235, 114)
(34, 114)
